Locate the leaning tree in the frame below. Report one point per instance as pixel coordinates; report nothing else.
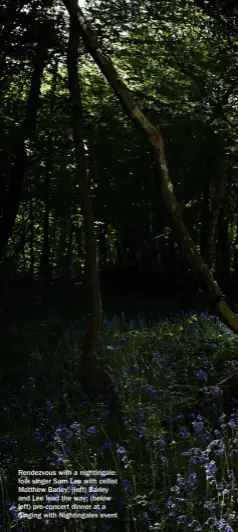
(164, 184)
(155, 139)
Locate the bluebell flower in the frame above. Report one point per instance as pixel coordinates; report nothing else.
(184, 432)
(49, 406)
(91, 430)
(231, 475)
(75, 425)
(201, 374)
(126, 486)
(192, 479)
(38, 436)
(175, 489)
(210, 469)
(195, 525)
(209, 505)
(120, 450)
(170, 503)
(153, 508)
(181, 519)
(198, 425)
(223, 526)
(161, 441)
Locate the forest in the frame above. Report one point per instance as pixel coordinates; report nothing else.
(119, 265)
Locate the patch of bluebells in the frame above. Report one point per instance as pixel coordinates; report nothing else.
(231, 424)
(214, 392)
(210, 470)
(231, 476)
(198, 424)
(196, 454)
(141, 429)
(201, 374)
(220, 525)
(107, 445)
(209, 505)
(60, 458)
(62, 433)
(124, 459)
(38, 436)
(181, 499)
(92, 430)
(59, 436)
(160, 441)
(164, 460)
(49, 406)
(126, 486)
(184, 432)
(181, 519)
(216, 446)
(13, 507)
(186, 485)
(195, 525)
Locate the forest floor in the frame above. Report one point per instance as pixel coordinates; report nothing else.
(176, 471)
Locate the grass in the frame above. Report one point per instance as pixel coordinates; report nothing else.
(176, 471)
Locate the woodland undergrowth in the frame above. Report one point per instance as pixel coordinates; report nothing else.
(175, 471)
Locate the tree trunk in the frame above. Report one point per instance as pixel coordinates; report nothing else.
(94, 381)
(69, 248)
(205, 219)
(65, 253)
(211, 209)
(79, 244)
(31, 242)
(223, 246)
(235, 273)
(103, 235)
(18, 170)
(46, 270)
(170, 202)
(60, 271)
(216, 202)
(8, 22)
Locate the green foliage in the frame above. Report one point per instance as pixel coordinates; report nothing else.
(178, 65)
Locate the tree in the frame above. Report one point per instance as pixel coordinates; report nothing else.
(45, 258)
(161, 168)
(95, 381)
(11, 197)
